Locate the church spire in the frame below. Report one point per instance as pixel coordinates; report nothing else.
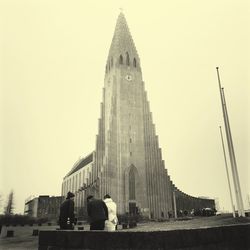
(122, 43)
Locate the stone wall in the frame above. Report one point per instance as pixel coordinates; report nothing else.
(226, 237)
(185, 202)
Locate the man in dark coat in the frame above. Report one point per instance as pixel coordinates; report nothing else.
(97, 212)
(67, 216)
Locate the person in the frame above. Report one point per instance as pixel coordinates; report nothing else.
(97, 212)
(111, 223)
(67, 216)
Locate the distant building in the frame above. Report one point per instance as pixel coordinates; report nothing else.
(127, 162)
(43, 206)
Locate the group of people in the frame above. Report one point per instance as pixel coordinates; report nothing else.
(102, 214)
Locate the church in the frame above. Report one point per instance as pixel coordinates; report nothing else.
(127, 161)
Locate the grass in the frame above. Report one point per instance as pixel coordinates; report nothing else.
(23, 239)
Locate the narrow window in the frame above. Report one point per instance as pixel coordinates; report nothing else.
(131, 184)
(127, 59)
(134, 63)
(121, 59)
(111, 62)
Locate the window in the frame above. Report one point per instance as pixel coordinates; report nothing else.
(132, 184)
(121, 59)
(127, 59)
(134, 63)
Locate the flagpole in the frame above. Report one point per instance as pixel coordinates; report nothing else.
(228, 180)
(238, 190)
(228, 141)
(231, 150)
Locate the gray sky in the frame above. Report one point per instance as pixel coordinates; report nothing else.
(53, 55)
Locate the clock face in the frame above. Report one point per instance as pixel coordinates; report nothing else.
(128, 77)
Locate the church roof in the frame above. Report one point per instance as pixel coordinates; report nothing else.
(80, 164)
(122, 41)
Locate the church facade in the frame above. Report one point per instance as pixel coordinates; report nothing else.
(127, 162)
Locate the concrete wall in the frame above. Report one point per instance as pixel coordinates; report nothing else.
(226, 237)
(188, 202)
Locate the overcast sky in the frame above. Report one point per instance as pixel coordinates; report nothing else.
(52, 62)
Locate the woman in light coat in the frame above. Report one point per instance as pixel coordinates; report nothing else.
(110, 224)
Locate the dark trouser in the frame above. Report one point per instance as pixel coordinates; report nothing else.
(97, 225)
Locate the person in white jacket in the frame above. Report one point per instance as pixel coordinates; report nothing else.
(110, 224)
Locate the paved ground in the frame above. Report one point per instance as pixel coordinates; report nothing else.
(23, 239)
(201, 222)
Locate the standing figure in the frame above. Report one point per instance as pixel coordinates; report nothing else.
(67, 216)
(97, 212)
(110, 224)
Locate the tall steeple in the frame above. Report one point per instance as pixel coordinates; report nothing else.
(122, 48)
(129, 161)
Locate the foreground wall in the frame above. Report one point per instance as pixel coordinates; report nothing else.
(226, 237)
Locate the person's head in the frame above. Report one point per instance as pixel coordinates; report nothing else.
(70, 195)
(106, 196)
(89, 198)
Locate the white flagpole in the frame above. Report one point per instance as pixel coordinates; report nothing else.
(231, 151)
(238, 190)
(228, 180)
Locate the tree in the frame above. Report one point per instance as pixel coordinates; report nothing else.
(10, 205)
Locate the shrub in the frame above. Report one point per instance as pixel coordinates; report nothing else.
(18, 219)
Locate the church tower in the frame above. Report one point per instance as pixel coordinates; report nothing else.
(128, 162)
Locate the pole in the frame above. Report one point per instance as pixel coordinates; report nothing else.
(231, 150)
(228, 180)
(174, 198)
(228, 141)
(238, 190)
